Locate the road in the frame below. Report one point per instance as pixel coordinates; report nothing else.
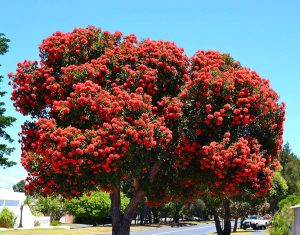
(188, 230)
(201, 229)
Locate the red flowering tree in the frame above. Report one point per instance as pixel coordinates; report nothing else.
(103, 107)
(108, 109)
(232, 131)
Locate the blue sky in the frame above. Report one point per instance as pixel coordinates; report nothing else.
(262, 35)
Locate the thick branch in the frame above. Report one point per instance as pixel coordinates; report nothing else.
(137, 198)
(154, 171)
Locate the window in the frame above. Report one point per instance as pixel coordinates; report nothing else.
(11, 203)
(1, 202)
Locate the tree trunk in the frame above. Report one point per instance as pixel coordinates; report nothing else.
(176, 216)
(156, 216)
(217, 222)
(150, 215)
(227, 223)
(242, 220)
(273, 208)
(121, 224)
(235, 225)
(142, 214)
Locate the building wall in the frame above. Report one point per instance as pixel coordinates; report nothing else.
(296, 223)
(28, 219)
(15, 200)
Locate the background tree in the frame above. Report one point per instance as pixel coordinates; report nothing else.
(166, 211)
(20, 186)
(5, 121)
(290, 169)
(52, 206)
(239, 209)
(278, 191)
(197, 208)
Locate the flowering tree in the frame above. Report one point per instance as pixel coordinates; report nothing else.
(103, 107)
(232, 130)
(109, 108)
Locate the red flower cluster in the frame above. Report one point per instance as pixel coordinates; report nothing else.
(235, 127)
(82, 156)
(109, 108)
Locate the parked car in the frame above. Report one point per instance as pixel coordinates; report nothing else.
(255, 222)
(260, 224)
(246, 224)
(189, 217)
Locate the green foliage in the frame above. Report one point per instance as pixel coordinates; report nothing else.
(196, 208)
(5, 121)
(290, 169)
(94, 208)
(35, 210)
(240, 209)
(164, 211)
(3, 44)
(278, 191)
(50, 206)
(289, 200)
(37, 223)
(282, 221)
(27, 201)
(55, 223)
(279, 188)
(20, 186)
(7, 218)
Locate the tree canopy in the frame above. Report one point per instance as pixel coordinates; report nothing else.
(20, 186)
(108, 108)
(5, 121)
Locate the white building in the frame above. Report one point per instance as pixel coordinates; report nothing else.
(14, 201)
(296, 222)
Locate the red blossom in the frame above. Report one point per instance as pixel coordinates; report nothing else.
(108, 107)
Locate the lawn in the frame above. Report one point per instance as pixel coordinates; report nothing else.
(245, 232)
(80, 231)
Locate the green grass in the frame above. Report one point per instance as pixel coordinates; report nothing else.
(80, 231)
(100, 229)
(245, 232)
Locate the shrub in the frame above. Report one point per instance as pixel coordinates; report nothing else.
(7, 218)
(55, 223)
(289, 200)
(37, 223)
(94, 208)
(50, 206)
(282, 221)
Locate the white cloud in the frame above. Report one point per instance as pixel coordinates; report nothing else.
(8, 180)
